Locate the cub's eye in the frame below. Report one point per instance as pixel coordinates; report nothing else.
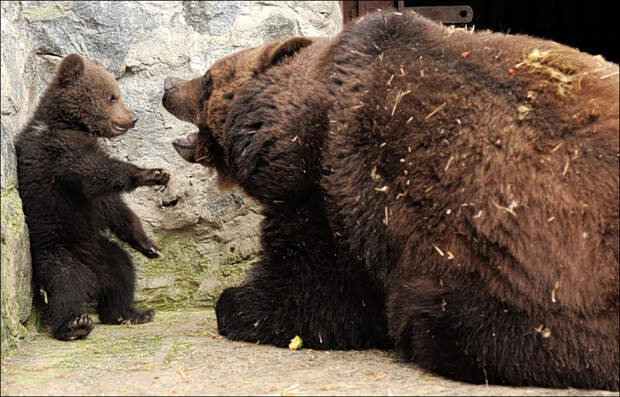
(112, 98)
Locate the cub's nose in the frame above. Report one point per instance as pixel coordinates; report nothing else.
(134, 119)
(170, 83)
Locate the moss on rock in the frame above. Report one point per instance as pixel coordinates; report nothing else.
(37, 14)
(17, 321)
(195, 270)
(112, 353)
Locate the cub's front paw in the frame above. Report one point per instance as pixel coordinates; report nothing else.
(77, 328)
(152, 252)
(156, 176)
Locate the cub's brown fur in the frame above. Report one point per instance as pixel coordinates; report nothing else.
(450, 192)
(70, 190)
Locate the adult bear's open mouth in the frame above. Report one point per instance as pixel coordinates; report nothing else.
(186, 146)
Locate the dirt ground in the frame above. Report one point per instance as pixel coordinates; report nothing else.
(180, 353)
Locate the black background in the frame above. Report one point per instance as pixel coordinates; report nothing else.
(589, 26)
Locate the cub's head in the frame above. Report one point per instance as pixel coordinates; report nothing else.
(85, 95)
(205, 101)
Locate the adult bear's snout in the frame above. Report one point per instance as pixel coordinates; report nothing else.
(170, 83)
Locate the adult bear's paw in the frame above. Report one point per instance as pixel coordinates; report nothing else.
(244, 313)
(225, 310)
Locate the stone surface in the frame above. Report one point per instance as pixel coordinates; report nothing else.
(17, 324)
(212, 17)
(208, 237)
(180, 353)
(102, 30)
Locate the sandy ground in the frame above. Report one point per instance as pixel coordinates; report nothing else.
(180, 353)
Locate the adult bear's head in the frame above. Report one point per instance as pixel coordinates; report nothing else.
(206, 101)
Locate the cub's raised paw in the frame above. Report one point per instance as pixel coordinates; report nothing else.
(77, 328)
(156, 176)
(138, 317)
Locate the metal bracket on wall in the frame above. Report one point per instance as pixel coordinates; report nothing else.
(445, 14)
(458, 14)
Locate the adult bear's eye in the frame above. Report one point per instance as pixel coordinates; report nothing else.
(112, 98)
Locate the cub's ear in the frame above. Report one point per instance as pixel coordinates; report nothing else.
(278, 51)
(71, 68)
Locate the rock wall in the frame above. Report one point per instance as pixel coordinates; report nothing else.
(17, 60)
(208, 237)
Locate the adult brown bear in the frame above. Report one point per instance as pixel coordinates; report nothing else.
(452, 193)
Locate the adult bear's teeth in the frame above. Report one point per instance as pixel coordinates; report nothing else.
(185, 146)
(188, 140)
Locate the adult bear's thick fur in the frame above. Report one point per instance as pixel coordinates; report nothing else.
(450, 192)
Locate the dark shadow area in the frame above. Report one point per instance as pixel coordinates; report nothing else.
(588, 26)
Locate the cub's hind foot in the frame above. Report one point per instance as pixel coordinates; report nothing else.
(78, 328)
(138, 317)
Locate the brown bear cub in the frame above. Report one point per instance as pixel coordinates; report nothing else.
(70, 190)
(450, 193)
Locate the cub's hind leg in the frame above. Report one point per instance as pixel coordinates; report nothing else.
(67, 286)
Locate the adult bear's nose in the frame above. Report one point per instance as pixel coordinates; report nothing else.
(134, 118)
(170, 83)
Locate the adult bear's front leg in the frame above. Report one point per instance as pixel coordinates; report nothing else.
(303, 286)
(326, 313)
(254, 314)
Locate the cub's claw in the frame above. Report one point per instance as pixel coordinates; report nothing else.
(157, 176)
(78, 328)
(153, 253)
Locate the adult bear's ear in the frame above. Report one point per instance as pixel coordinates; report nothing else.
(70, 69)
(277, 52)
